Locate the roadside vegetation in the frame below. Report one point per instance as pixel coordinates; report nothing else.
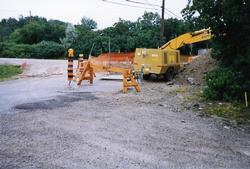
(229, 21)
(226, 84)
(235, 112)
(8, 71)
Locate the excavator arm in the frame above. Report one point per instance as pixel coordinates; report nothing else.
(187, 38)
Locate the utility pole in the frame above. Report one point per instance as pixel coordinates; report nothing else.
(162, 23)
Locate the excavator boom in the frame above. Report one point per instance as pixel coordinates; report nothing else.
(188, 38)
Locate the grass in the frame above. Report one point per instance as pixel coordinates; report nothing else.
(8, 71)
(233, 111)
(180, 90)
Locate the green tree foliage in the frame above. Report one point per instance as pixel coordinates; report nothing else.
(174, 28)
(7, 26)
(38, 29)
(230, 24)
(55, 30)
(44, 49)
(88, 23)
(125, 36)
(147, 30)
(29, 33)
(85, 38)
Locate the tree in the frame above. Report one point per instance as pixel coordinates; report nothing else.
(147, 30)
(29, 33)
(55, 30)
(174, 28)
(88, 23)
(229, 21)
(7, 26)
(84, 40)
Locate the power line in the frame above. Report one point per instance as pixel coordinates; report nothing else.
(142, 7)
(136, 2)
(122, 4)
(151, 4)
(172, 13)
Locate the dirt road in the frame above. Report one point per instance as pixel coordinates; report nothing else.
(108, 129)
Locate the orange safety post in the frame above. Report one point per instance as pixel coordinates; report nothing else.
(80, 60)
(70, 64)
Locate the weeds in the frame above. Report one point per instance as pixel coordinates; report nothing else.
(8, 71)
(232, 111)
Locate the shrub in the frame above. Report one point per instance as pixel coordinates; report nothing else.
(223, 84)
(44, 50)
(47, 50)
(14, 50)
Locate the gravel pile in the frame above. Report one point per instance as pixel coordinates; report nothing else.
(193, 72)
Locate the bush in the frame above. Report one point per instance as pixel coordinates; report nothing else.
(223, 84)
(15, 50)
(46, 50)
(42, 50)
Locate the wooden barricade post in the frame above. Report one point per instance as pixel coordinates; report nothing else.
(86, 72)
(129, 81)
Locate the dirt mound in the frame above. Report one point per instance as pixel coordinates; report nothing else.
(194, 71)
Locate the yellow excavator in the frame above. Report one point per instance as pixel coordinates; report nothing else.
(166, 59)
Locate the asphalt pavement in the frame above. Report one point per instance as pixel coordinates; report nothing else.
(44, 79)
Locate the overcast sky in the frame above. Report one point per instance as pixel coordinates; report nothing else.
(105, 14)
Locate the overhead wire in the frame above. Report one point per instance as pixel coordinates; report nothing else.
(122, 4)
(147, 3)
(153, 5)
(172, 13)
(167, 11)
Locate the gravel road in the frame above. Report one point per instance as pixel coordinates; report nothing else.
(107, 129)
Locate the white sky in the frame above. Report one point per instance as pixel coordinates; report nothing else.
(105, 14)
